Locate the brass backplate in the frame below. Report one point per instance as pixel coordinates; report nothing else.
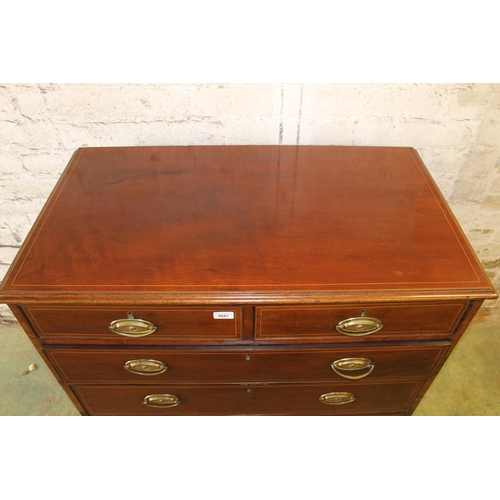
(145, 366)
(337, 398)
(359, 326)
(132, 327)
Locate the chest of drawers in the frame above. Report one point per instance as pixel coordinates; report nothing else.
(220, 280)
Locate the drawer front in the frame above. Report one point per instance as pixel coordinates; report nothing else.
(104, 366)
(285, 399)
(170, 324)
(415, 321)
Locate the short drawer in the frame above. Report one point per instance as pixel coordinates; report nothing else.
(284, 399)
(345, 323)
(170, 325)
(160, 366)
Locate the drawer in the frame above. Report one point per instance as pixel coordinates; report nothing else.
(405, 321)
(170, 324)
(285, 399)
(160, 366)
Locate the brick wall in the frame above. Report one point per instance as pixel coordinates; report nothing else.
(454, 127)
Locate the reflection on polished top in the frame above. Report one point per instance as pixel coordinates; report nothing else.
(246, 218)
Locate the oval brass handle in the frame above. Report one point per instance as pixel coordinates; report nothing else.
(359, 326)
(351, 365)
(132, 327)
(145, 366)
(161, 400)
(337, 398)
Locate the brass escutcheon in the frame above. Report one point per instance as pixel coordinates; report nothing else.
(161, 400)
(145, 366)
(337, 398)
(352, 364)
(359, 326)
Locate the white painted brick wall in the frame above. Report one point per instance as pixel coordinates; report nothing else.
(454, 127)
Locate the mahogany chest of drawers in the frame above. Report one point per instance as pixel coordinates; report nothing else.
(220, 280)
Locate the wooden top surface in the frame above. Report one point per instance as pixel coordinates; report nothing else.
(242, 222)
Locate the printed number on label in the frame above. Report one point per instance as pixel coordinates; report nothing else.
(224, 315)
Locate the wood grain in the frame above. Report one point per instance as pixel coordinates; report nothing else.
(106, 366)
(284, 399)
(239, 219)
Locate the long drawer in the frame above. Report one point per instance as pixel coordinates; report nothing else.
(145, 325)
(370, 322)
(284, 399)
(160, 366)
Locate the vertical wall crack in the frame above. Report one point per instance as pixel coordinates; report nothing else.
(297, 142)
(282, 98)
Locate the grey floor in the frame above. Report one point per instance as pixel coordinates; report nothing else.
(468, 384)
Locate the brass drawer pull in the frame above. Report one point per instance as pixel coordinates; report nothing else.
(337, 398)
(359, 326)
(132, 327)
(352, 365)
(161, 400)
(145, 366)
